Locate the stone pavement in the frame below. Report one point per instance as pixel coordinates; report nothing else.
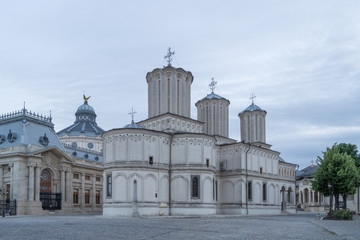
(344, 229)
(299, 226)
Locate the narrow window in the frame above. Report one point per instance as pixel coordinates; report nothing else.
(249, 190)
(97, 197)
(87, 178)
(207, 162)
(98, 179)
(76, 195)
(151, 161)
(261, 170)
(87, 196)
(109, 187)
(195, 186)
(76, 176)
(264, 191)
(216, 190)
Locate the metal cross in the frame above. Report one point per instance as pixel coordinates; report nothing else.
(252, 97)
(132, 113)
(168, 57)
(312, 162)
(212, 85)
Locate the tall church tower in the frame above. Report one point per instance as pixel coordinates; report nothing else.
(169, 90)
(252, 124)
(213, 110)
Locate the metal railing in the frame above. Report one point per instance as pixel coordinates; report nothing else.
(7, 207)
(50, 201)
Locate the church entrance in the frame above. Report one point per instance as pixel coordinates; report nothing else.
(50, 200)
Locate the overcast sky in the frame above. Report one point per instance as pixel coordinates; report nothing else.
(300, 58)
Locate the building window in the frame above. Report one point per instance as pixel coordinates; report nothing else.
(249, 190)
(97, 197)
(208, 162)
(76, 196)
(87, 177)
(264, 191)
(76, 176)
(195, 186)
(108, 186)
(261, 170)
(151, 161)
(87, 196)
(98, 179)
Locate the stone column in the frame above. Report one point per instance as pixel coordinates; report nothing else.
(135, 210)
(93, 193)
(82, 191)
(68, 186)
(31, 183)
(11, 166)
(37, 183)
(62, 179)
(1, 178)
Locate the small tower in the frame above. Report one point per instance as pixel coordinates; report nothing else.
(213, 110)
(169, 90)
(252, 124)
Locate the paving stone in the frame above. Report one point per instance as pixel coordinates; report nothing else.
(299, 226)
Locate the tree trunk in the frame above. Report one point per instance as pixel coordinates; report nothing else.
(336, 202)
(344, 199)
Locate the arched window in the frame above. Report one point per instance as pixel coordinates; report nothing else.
(109, 186)
(249, 190)
(195, 187)
(264, 191)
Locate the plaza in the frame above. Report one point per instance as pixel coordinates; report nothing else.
(296, 226)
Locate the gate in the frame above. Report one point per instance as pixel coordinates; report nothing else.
(7, 207)
(50, 201)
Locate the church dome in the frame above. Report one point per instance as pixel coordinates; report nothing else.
(85, 123)
(133, 125)
(251, 108)
(213, 96)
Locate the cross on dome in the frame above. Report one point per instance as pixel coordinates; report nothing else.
(168, 56)
(132, 114)
(212, 85)
(252, 98)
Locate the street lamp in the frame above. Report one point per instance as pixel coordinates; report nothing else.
(330, 195)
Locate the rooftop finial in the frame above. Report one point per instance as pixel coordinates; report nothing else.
(132, 113)
(252, 98)
(312, 163)
(212, 85)
(168, 56)
(86, 98)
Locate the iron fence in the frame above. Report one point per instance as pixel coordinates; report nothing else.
(7, 207)
(50, 201)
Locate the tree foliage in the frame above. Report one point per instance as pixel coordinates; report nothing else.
(339, 170)
(350, 149)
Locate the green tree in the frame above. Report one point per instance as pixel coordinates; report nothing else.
(350, 149)
(339, 170)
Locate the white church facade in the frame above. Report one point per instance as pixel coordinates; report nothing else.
(170, 164)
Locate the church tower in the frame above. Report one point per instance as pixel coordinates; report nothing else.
(169, 90)
(213, 110)
(252, 124)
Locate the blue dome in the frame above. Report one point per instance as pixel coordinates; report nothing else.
(253, 107)
(85, 108)
(133, 125)
(212, 96)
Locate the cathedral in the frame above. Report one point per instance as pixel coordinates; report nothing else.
(171, 164)
(167, 164)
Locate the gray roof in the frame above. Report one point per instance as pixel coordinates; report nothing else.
(24, 128)
(85, 154)
(252, 107)
(307, 172)
(85, 123)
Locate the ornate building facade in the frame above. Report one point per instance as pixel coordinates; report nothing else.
(173, 165)
(44, 174)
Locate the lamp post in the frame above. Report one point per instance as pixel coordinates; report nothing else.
(330, 195)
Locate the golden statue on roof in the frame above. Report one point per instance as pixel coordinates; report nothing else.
(86, 98)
